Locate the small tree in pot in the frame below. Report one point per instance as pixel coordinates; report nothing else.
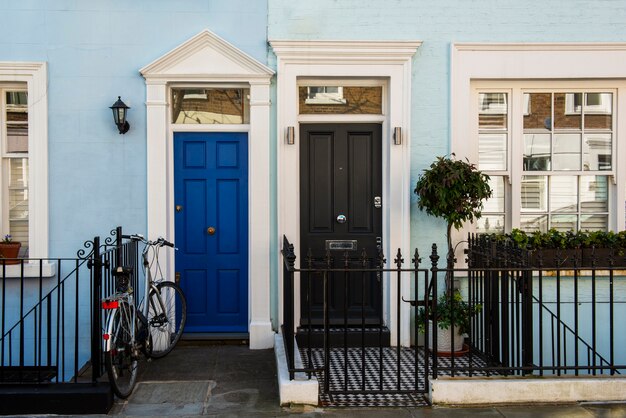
(453, 190)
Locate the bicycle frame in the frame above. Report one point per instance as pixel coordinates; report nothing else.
(128, 299)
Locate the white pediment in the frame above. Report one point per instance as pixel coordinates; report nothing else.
(206, 56)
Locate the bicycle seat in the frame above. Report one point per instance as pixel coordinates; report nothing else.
(122, 271)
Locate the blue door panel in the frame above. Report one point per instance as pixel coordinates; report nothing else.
(211, 186)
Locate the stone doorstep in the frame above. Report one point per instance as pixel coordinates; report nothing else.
(301, 390)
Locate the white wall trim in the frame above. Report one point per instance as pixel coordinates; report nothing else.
(550, 61)
(35, 75)
(368, 60)
(203, 59)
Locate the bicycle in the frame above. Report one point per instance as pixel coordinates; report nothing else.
(153, 329)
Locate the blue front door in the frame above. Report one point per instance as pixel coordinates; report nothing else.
(211, 209)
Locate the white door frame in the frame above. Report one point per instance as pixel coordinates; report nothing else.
(366, 60)
(206, 59)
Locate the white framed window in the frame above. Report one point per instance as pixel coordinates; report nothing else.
(24, 156)
(14, 162)
(552, 167)
(592, 89)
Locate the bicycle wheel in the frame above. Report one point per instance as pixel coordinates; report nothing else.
(120, 360)
(167, 314)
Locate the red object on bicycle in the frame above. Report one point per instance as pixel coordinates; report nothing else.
(110, 304)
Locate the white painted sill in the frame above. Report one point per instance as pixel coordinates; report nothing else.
(32, 270)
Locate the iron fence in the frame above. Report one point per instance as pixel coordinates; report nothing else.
(558, 319)
(48, 308)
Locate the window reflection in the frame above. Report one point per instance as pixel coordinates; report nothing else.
(341, 100)
(210, 106)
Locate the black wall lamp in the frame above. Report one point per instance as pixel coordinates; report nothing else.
(119, 115)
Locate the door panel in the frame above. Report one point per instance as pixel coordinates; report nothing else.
(340, 174)
(211, 187)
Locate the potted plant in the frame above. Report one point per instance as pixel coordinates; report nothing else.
(9, 250)
(453, 190)
(451, 309)
(568, 249)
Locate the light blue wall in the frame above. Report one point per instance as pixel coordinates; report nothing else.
(94, 49)
(439, 24)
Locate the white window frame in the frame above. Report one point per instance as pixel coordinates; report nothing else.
(568, 64)
(35, 76)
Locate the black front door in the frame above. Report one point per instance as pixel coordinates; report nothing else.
(341, 210)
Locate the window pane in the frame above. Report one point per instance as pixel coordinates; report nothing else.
(492, 111)
(492, 151)
(211, 106)
(530, 223)
(597, 152)
(17, 106)
(564, 223)
(490, 224)
(538, 111)
(566, 152)
(594, 222)
(18, 199)
(537, 152)
(598, 110)
(17, 137)
(534, 193)
(496, 202)
(564, 194)
(567, 110)
(594, 193)
(341, 100)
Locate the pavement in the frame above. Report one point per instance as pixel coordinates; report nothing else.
(209, 380)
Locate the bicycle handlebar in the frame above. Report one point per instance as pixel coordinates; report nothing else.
(158, 242)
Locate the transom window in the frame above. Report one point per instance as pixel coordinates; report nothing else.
(550, 158)
(211, 106)
(14, 163)
(338, 100)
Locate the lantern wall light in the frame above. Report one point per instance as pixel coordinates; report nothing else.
(119, 115)
(397, 135)
(290, 135)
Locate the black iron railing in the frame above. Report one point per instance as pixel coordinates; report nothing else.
(546, 312)
(48, 307)
(552, 320)
(357, 365)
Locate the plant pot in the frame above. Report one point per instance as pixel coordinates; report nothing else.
(9, 252)
(444, 340)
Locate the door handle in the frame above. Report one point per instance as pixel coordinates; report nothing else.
(210, 230)
(177, 277)
(342, 219)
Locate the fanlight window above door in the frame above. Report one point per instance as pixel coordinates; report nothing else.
(337, 100)
(210, 106)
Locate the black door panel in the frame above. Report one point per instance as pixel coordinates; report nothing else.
(340, 175)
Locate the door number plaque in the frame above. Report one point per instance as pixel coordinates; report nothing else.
(341, 244)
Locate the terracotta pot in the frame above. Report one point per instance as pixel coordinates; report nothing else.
(9, 252)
